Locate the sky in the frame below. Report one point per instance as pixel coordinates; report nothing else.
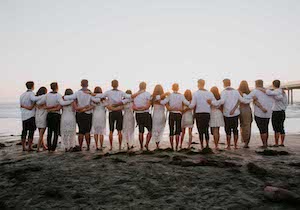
(158, 41)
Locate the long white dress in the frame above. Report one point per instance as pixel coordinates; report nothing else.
(68, 124)
(216, 118)
(41, 114)
(158, 122)
(187, 120)
(99, 118)
(128, 124)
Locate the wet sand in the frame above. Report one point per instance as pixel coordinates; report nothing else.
(148, 180)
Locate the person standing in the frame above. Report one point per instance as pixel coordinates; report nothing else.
(128, 121)
(187, 120)
(158, 115)
(141, 105)
(216, 118)
(202, 111)
(99, 120)
(84, 112)
(246, 117)
(229, 99)
(262, 110)
(28, 99)
(175, 103)
(278, 111)
(53, 117)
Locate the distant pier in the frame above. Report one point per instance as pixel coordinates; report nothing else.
(290, 86)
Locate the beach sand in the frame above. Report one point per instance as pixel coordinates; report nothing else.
(148, 180)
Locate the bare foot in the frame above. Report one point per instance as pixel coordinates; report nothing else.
(228, 148)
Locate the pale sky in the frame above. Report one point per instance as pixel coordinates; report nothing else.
(161, 41)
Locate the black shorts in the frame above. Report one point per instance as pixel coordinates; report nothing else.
(262, 124)
(231, 125)
(175, 123)
(115, 117)
(84, 122)
(202, 122)
(278, 118)
(144, 120)
(28, 126)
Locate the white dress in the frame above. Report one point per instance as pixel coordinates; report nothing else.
(216, 118)
(187, 119)
(41, 114)
(158, 122)
(99, 118)
(68, 124)
(128, 124)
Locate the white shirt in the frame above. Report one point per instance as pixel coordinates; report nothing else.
(199, 100)
(52, 99)
(229, 99)
(83, 99)
(27, 99)
(265, 100)
(175, 101)
(280, 99)
(142, 100)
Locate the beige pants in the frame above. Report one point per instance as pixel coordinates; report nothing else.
(245, 123)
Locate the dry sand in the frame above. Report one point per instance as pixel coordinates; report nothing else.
(149, 180)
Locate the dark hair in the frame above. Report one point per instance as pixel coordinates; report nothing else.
(115, 83)
(188, 95)
(128, 92)
(68, 92)
(259, 83)
(276, 83)
(97, 90)
(84, 83)
(244, 87)
(143, 85)
(216, 92)
(29, 85)
(54, 86)
(41, 91)
(158, 90)
(175, 87)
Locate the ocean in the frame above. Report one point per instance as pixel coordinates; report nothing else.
(11, 123)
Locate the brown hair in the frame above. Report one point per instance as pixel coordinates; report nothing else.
(276, 83)
(227, 82)
(158, 90)
(244, 87)
(143, 86)
(128, 92)
(54, 86)
(68, 92)
(115, 83)
(188, 95)
(84, 83)
(29, 85)
(216, 92)
(97, 90)
(175, 87)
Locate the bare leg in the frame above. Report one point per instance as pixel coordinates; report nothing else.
(120, 139)
(24, 144)
(190, 137)
(111, 140)
(182, 137)
(157, 145)
(43, 142)
(277, 138)
(216, 135)
(101, 141)
(141, 139)
(264, 138)
(148, 138)
(228, 139)
(171, 142)
(80, 140)
(282, 138)
(88, 140)
(30, 141)
(96, 140)
(177, 137)
(40, 139)
(201, 140)
(236, 138)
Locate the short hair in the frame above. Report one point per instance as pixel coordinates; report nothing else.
(54, 86)
(128, 92)
(115, 83)
(259, 83)
(276, 83)
(68, 92)
(84, 83)
(143, 86)
(227, 82)
(175, 87)
(201, 82)
(41, 91)
(97, 90)
(29, 85)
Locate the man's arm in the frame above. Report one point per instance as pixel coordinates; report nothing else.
(221, 101)
(165, 101)
(70, 97)
(186, 102)
(193, 102)
(35, 98)
(65, 103)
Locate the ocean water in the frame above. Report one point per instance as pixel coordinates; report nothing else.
(11, 123)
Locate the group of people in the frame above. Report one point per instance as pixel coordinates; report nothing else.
(210, 109)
